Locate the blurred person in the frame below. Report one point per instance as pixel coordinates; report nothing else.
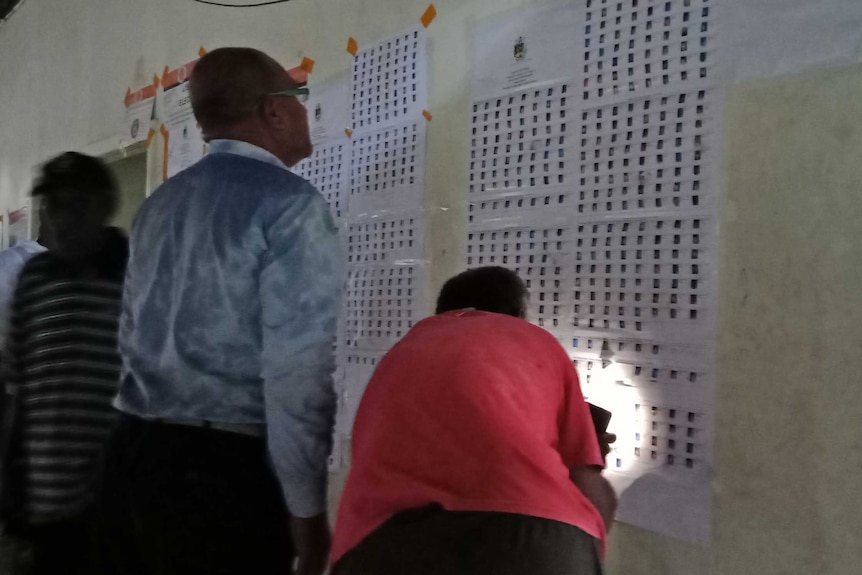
(218, 464)
(12, 261)
(473, 449)
(64, 364)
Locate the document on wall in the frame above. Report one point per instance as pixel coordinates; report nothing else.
(594, 143)
(384, 211)
(389, 81)
(523, 154)
(139, 114)
(529, 49)
(184, 141)
(328, 109)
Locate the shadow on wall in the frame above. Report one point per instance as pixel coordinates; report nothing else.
(131, 174)
(6, 7)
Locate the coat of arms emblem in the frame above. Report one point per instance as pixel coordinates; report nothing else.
(520, 48)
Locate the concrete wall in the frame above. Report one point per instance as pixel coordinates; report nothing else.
(789, 453)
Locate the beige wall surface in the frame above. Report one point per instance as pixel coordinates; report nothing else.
(788, 449)
(787, 493)
(131, 174)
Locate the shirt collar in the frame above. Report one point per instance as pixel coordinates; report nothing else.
(245, 149)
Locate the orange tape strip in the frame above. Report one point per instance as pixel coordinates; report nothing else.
(166, 73)
(429, 15)
(148, 91)
(349, 132)
(17, 215)
(171, 78)
(352, 46)
(202, 51)
(427, 115)
(307, 64)
(150, 135)
(139, 95)
(166, 135)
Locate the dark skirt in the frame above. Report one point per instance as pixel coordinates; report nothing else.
(432, 540)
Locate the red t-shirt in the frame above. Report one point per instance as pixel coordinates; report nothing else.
(475, 411)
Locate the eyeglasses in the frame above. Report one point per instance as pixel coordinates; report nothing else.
(300, 94)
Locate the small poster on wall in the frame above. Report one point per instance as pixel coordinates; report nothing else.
(184, 144)
(139, 113)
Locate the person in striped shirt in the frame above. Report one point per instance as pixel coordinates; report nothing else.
(64, 360)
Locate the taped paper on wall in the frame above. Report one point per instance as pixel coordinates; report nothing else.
(592, 174)
(139, 114)
(184, 141)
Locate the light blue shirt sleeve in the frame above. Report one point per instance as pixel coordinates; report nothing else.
(12, 261)
(300, 286)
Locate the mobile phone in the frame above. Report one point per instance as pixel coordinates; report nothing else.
(601, 418)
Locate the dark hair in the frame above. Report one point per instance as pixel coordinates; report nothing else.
(81, 173)
(491, 288)
(228, 84)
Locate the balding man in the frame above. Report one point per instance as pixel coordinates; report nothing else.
(229, 317)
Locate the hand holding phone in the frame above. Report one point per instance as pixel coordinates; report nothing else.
(601, 419)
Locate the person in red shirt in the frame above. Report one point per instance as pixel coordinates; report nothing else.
(473, 448)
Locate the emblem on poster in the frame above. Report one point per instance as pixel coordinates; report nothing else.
(520, 48)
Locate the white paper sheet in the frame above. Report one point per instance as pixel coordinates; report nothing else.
(541, 254)
(389, 80)
(530, 48)
(593, 157)
(359, 366)
(185, 144)
(335, 455)
(523, 140)
(327, 169)
(383, 303)
(329, 163)
(137, 120)
(384, 215)
(328, 111)
(387, 169)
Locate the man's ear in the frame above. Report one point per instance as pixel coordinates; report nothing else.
(267, 108)
(274, 112)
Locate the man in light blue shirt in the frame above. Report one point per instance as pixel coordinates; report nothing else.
(229, 317)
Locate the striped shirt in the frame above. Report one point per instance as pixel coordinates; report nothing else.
(63, 352)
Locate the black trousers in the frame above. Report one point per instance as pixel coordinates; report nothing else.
(61, 546)
(433, 541)
(185, 500)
